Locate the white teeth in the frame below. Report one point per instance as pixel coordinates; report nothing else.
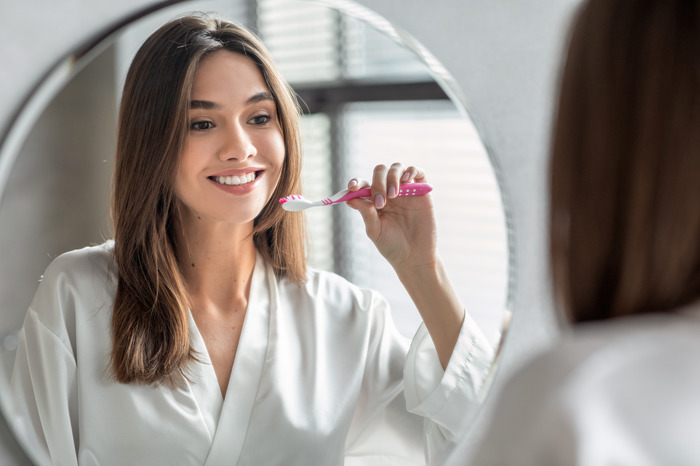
(235, 180)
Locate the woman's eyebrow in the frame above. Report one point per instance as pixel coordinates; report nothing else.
(209, 105)
(259, 97)
(203, 104)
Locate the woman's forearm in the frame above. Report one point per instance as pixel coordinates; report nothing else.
(439, 306)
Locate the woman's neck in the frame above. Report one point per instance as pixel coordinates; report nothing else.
(216, 261)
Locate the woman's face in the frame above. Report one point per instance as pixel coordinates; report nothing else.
(234, 150)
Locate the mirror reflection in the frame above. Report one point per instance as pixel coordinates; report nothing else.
(366, 101)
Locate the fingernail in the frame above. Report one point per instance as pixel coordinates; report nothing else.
(391, 193)
(405, 176)
(353, 183)
(379, 201)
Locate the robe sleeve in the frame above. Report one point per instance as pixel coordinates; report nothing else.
(446, 399)
(411, 409)
(43, 387)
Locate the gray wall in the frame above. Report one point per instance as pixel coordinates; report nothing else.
(57, 195)
(503, 53)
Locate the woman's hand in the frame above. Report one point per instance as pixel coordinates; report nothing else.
(402, 228)
(404, 231)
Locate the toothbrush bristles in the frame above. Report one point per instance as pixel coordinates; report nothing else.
(291, 197)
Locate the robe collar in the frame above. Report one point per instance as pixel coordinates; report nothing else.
(227, 418)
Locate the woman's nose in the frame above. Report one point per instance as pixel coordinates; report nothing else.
(237, 145)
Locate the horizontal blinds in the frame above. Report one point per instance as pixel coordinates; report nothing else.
(317, 184)
(371, 55)
(313, 43)
(303, 39)
(471, 223)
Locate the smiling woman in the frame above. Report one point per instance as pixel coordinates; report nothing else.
(203, 301)
(166, 201)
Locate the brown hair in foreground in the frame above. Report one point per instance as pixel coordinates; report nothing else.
(625, 162)
(150, 330)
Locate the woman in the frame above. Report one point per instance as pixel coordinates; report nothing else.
(198, 336)
(622, 387)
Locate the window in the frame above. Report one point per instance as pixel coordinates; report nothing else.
(372, 101)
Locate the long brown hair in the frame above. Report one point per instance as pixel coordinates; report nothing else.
(150, 334)
(625, 165)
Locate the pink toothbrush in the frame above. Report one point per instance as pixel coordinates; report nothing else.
(295, 202)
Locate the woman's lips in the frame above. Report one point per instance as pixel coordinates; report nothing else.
(234, 180)
(239, 182)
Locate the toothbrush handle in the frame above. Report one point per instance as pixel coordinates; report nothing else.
(405, 190)
(414, 189)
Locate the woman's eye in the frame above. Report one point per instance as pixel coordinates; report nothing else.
(201, 125)
(261, 119)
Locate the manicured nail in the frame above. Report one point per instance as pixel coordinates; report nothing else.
(391, 193)
(353, 183)
(406, 176)
(379, 201)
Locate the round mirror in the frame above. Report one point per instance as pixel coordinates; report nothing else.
(370, 95)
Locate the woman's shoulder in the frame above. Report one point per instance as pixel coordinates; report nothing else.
(628, 378)
(88, 263)
(629, 339)
(79, 279)
(77, 286)
(331, 287)
(325, 293)
(600, 353)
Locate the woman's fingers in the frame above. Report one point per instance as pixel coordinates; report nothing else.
(386, 181)
(369, 215)
(379, 186)
(356, 184)
(393, 180)
(413, 174)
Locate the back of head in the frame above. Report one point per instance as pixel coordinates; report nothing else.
(625, 162)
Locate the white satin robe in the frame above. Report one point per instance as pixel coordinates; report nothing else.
(621, 392)
(321, 377)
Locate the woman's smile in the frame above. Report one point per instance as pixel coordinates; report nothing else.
(234, 180)
(237, 182)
